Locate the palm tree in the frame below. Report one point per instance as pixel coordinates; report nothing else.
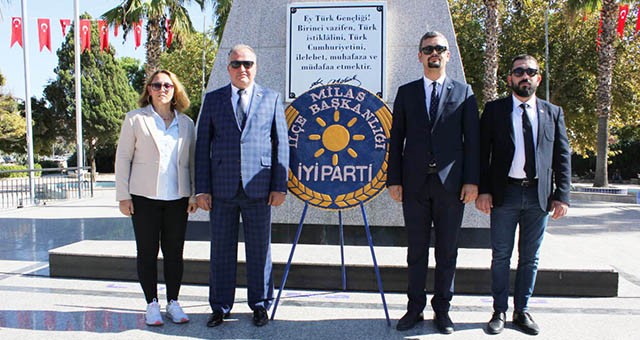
(155, 12)
(492, 28)
(606, 62)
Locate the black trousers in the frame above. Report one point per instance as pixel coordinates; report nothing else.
(156, 224)
(431, 206)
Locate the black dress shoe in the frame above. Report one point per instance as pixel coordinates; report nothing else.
(443, 322)
(526, 324)
(496, 324)
(260, 317)
(409, 320)
(216, 317)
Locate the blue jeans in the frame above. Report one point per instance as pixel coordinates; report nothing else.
(520, 207)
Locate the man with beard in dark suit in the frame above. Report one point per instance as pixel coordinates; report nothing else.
(433, 171)
(525, 174)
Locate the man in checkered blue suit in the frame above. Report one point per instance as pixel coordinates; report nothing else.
(242, 159)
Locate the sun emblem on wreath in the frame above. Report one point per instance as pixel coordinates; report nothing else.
(336, 138)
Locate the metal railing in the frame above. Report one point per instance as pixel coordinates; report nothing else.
(47, 185)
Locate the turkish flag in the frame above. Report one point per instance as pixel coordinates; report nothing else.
(104, 34)
(623, 11)
(137, 33)
(169, 33)
(85, 34)
(44, 33)
(638, 22)
(16, 31)
(64, 23)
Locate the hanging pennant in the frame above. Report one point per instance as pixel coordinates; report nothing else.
(85, 34)
(104, 35)
(638, 21)
(137, 33)
(169, 33)
(623, 11)
(64, 23)
(44, 33)
(16, 31)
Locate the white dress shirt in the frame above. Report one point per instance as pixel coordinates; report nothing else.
(167, 141)
(517, 165)
(428, 89)
(246, 98)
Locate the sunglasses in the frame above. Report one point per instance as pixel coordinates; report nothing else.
(519, 72)
(429, 49)
(237, 63)
(158, 86)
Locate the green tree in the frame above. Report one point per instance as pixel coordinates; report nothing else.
(155, 12)
(13, 127)
(574, 63)
(185, 60)
(135, 72)
(606, 64)
(106, 95)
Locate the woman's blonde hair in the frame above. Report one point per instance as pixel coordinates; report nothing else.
(180, 100)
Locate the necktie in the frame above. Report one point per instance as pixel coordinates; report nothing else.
(529, 151)
(433, 105)
(241, 111)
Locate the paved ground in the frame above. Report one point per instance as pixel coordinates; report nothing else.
(34, 306)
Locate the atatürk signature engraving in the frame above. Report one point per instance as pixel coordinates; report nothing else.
(352, 80)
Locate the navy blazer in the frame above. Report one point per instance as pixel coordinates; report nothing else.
(225, 154)
(453, 137)
(497, 146)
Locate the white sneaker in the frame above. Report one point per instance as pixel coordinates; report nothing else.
(175, 313)
(153, 316)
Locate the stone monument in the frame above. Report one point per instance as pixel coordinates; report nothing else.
(263, 26)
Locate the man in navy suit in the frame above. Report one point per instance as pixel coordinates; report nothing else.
(525, 173)
(433, 171)
(242, 159)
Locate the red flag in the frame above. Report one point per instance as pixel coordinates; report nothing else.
(64, 23)
(104, 35)
(85, 34)
(638, 22)
(137, 33)
(169, 33)
(623, 11)
(44, 33)
(16, 31)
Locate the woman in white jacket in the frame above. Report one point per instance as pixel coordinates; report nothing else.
(154, 185)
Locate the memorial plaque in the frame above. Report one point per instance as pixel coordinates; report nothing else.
(335, 43)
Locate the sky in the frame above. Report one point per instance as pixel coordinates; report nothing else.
(41, 64)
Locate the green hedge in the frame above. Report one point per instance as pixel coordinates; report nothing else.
(18, 174)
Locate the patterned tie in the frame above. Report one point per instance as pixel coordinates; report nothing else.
(433, 105)
(241, 112)
(529, 151)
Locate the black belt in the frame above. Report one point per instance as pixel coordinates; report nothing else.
(523, 182)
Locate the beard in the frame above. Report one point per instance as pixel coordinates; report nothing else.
(434, 64)
(524, 91)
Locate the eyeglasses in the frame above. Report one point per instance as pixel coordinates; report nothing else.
(158, 86)
(519, 72)
(246, 63)
(429, 49)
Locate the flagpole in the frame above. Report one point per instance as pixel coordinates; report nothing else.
(76, 48)
(27, 99)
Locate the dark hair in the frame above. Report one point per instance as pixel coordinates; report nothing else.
(523, 57)
(431, 34)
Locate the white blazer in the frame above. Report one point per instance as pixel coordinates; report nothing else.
(137, 156)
